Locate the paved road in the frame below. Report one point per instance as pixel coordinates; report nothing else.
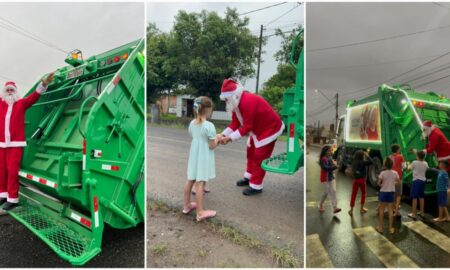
(341, 241)
(274, 217)
(21, 248)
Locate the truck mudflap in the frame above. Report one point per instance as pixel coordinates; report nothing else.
(292, 114)
(74, 236)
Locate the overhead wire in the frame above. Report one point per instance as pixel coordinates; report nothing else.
(259, 9)
(11, 26)
(284, 14)
(380, 39)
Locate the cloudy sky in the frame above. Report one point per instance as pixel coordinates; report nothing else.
(412, 34)
(91, 27)
(163, 14)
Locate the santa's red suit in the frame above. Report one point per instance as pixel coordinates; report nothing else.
(12, 139)
(437, 142)
(254, 116)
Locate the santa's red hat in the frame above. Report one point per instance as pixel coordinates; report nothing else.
(10, 85)
(427, 124)
(229, 88)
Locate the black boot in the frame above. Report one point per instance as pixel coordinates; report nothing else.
(9, 206)
(2, 201)
(251, 191)
(243, 182)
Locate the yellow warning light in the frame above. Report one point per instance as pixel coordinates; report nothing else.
(74, 55)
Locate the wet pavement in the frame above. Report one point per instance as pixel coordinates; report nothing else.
(341, 241)
(274, 217)
(21, 248)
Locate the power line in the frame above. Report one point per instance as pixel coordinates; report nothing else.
(282, 15)
(380, 39)
(285, 32)
(259, 9)
(398, 76)
(432, 81)
(372, 64)
(10, 26)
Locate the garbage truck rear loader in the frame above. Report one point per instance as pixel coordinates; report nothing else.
(292, 114)
(392, 116)
(84, 161)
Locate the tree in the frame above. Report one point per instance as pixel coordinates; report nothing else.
(158, 81)
(203, 49)
(275, 86)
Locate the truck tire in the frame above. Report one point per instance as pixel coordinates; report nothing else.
(374, 171)
(340, 160)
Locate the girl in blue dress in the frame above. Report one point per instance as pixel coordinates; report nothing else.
(201, 164)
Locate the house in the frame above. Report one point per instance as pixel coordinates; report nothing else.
(182, 106)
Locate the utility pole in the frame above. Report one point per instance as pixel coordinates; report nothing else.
(259, 58)
(337, 115)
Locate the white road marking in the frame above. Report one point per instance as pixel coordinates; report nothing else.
(430, 234)
(386, 252)
(316, 255)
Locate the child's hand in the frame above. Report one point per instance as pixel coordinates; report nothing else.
(225, 140)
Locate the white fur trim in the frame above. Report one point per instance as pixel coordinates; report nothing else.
(41, 88)
(238, 89)
(227, 131)
(269, 139)
(235, 135)
(7, 123)
(247, 175)
(13, 144)
(13, 200)
(3, 195)
(257, 187)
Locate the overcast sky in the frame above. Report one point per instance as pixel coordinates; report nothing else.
(163, 14)
(91, 27)
(351, 68)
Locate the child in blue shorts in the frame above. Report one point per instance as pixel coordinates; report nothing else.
(419, 168)
(441, 188)
(387, 181)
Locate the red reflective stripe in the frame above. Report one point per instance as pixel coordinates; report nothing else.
(116, 80)
(43, 181)
(55, 185)
(29, 176)
(85, 222)
(84, 147)
(114, 168)
(95, 204)
(291, 130)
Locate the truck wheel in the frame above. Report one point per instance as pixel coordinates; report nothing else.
(341, 161)
(374, 171)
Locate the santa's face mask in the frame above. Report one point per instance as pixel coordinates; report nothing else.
(426, 132)
(232, 102)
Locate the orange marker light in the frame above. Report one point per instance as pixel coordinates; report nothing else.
(124, 56)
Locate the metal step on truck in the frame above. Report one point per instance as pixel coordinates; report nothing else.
(84, 161)
(394, 115)
(292, 114)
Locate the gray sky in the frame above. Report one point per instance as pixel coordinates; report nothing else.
(349, 69)
(91, 27)
(163, 14)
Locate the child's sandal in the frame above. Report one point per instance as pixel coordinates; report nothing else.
(192, 206)
(392, 230)
(378, 229)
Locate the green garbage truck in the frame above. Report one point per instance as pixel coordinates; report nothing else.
(394, 115)
(84, 161)
(292, 114)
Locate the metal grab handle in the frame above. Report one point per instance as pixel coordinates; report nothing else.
(294, 45)
(80, 116)
(62, 99)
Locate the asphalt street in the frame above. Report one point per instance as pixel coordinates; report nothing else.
(274, 217)
(22, 249)
(341, 241)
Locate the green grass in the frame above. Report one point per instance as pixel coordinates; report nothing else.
(160, 249)
(284, 258)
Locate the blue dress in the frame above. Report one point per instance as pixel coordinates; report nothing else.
(201, 164)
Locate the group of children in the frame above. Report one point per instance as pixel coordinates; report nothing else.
(390, 182)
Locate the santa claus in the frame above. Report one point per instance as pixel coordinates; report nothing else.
(252, 115)
(12, 138)
(437, 142)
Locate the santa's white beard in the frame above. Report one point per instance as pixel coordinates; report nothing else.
(10, 99)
